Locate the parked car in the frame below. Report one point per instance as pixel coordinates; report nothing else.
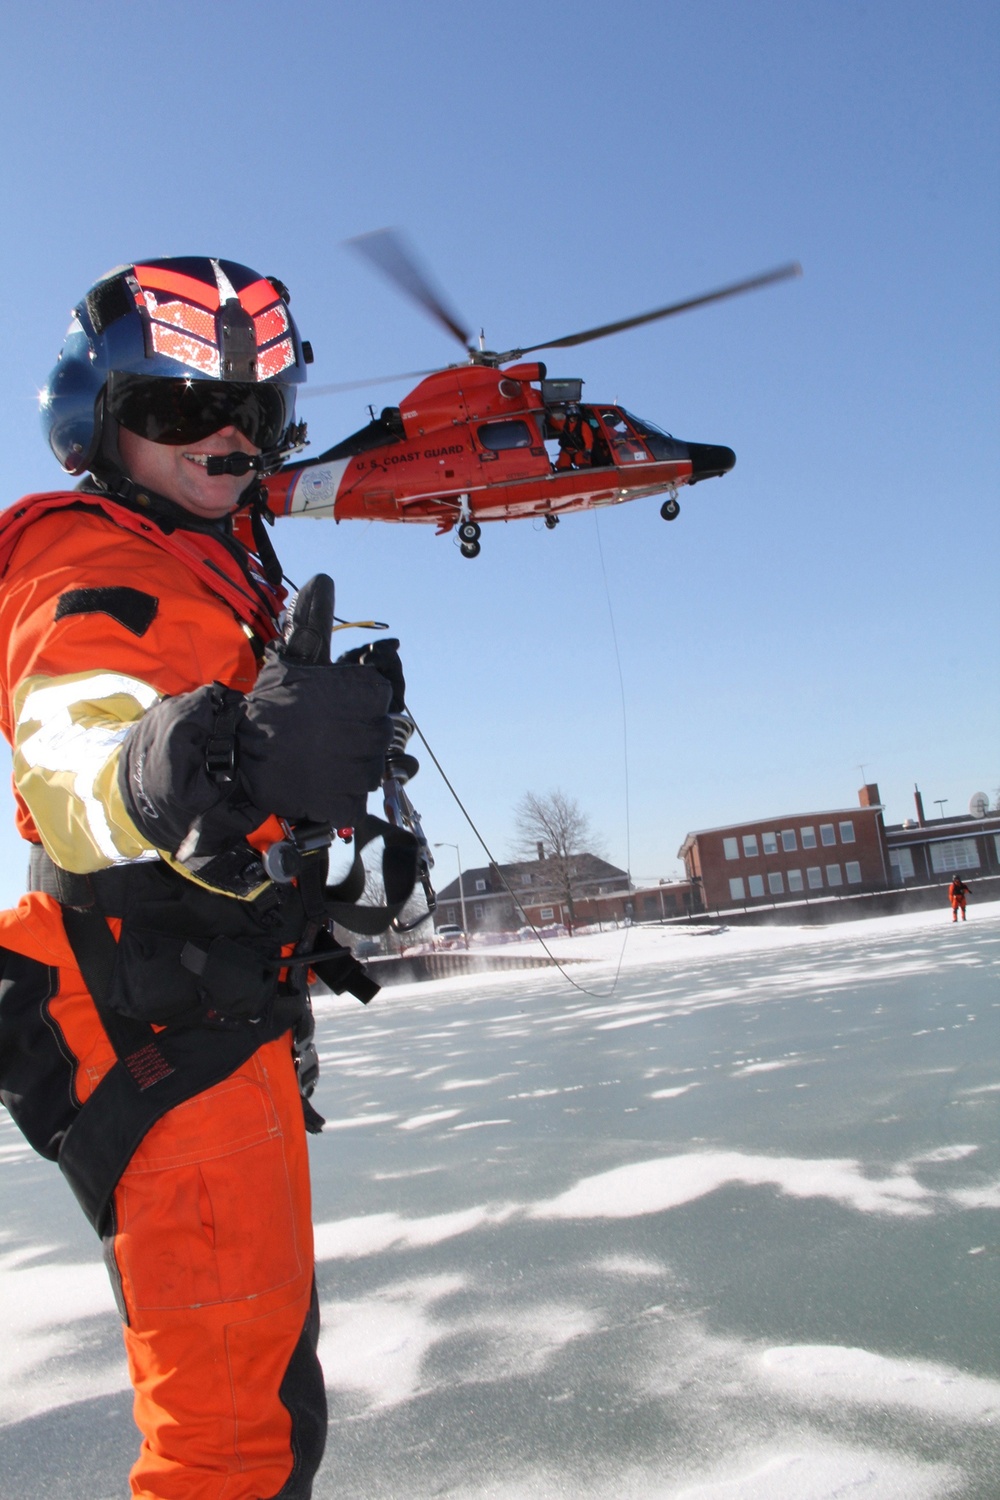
(449, 935)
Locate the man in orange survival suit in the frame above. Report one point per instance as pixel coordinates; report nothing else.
(157, 722)
(958, 893)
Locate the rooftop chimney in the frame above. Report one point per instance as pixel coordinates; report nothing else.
(920, 806)
(868, 795)
(541, 851)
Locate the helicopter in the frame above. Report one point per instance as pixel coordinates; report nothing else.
(495, 438)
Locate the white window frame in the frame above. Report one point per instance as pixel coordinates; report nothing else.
(737, 890)
(852, 869)
(795, 881)
(949, 855)
(546, 914)
(731, 848)
(814, 877)
(789, 843)
(769, 842)
(756, 884)
(901, 860)
(775, 883)
(827, 835)
(834, 875)
(847, 831)
(808, 837)
(750, 846)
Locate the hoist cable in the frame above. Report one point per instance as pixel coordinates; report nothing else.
(506, 884)
(621, 691)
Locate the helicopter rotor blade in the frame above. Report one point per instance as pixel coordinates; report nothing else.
(360, 385)
(735, 289)
(388, 253)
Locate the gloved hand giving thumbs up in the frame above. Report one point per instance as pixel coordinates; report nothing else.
(312, 742)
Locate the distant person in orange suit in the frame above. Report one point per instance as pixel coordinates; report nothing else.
(957, 893)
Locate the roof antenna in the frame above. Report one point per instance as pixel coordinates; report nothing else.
(482, 340)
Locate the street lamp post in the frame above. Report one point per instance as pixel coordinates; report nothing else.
(461, 889)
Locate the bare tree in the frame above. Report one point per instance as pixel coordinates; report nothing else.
(555, 831)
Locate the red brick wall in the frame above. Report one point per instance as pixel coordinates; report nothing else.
(708, 857)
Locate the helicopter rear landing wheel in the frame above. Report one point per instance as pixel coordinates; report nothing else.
(551, 522)
(469, 532)
(470, 549)
(670, 509)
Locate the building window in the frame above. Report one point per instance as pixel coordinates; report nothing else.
(808, 836)
(731, 848)
(546, 914)
(788, 840)
(449, 914)
(750, 845)
(525, 879)
(480, 885)
(901, 861)
(769, 842)
(814, 875)
(833, 875)
(775, 884)
(847, 832)
(954, 854)
(795, 880)
(826, 834)
(853, 872)
(756, 885)
(736, 890)
(477, 910)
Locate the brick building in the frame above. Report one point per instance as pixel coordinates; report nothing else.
(926, 851)
(792, 857)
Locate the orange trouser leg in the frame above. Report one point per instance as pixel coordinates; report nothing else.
(213, 1258)
(213, 1248)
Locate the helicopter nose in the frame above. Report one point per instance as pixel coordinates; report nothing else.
(709, 461)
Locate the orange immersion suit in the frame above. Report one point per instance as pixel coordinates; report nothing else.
(208, 1234)
(957, 893)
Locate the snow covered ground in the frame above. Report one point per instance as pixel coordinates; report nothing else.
(717, 1223)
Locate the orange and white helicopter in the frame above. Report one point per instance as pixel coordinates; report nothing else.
(494, 438)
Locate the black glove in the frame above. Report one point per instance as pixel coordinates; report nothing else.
(165, 778)
(308, 743)
(312, 743)
(383, 655)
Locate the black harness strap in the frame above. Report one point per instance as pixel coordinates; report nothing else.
(155, 1072)
(399, 876)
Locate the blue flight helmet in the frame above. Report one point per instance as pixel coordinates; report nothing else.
(174, 349)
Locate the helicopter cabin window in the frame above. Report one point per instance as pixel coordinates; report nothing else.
(500, 437)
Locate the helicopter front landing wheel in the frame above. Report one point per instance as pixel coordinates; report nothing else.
(670, 509)
(469, 532)
(551, 522)
(470, 549)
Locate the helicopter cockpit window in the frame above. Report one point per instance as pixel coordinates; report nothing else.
(499, 437)
(626, 446)
(660, 444)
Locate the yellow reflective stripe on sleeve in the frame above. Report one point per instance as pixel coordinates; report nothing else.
(68, 732)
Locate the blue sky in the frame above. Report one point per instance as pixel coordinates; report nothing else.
(829, 604)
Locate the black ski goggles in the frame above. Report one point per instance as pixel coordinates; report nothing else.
(185, 411)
